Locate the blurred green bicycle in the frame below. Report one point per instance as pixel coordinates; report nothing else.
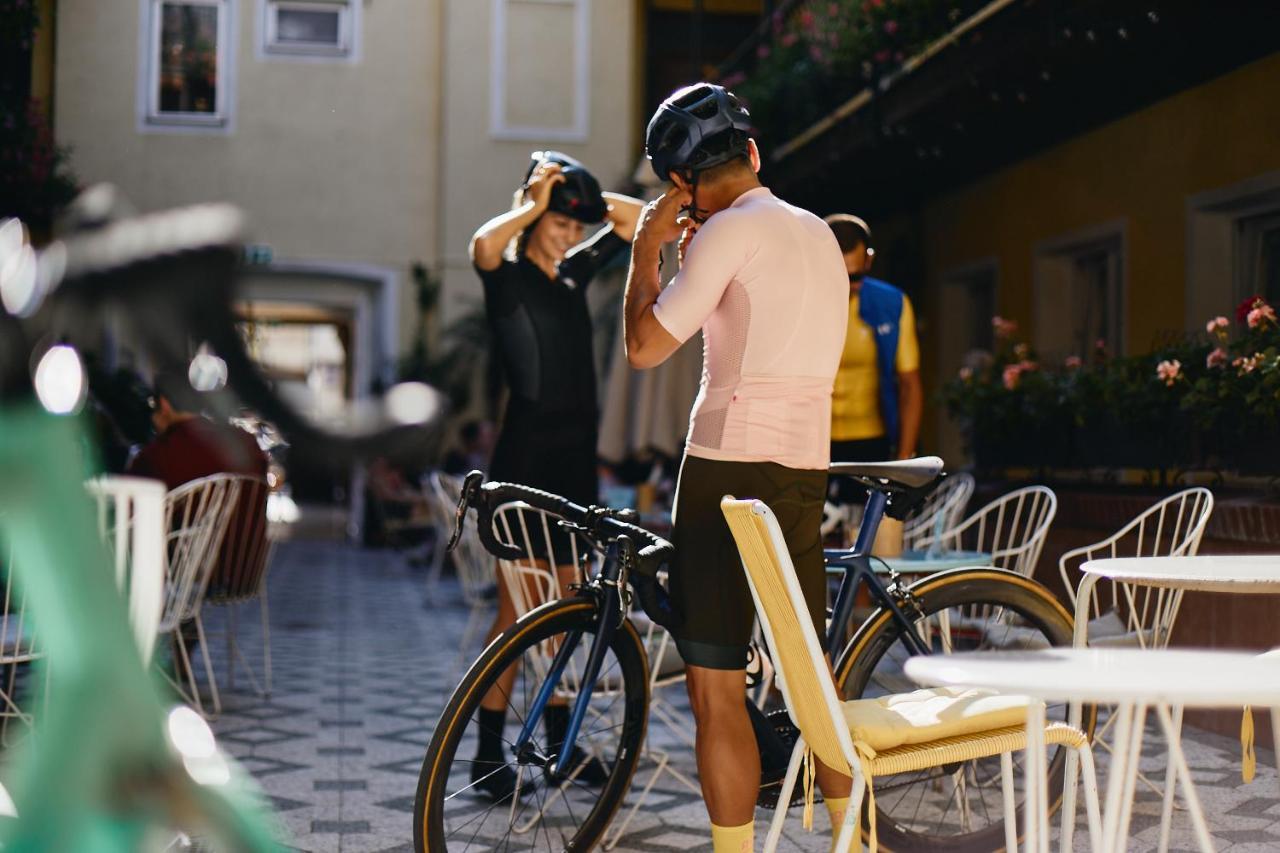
(110, 766)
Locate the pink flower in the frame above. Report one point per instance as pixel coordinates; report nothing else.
(890, 26)
(816, 53)
(731, 80)
(1169, 371)
(1217, 358)
(1011, 375)
(1026, 365)
(833, 9)
(790, 39)
(1003, 328)
(806, 19)
(1217, 324)
(762, 52)
(1247, 365)
(1260, 313)
(966, 373)
(1073, 362)
(1100, 343)
(882, 55)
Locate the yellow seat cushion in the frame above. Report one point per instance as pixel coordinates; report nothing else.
(931, 714)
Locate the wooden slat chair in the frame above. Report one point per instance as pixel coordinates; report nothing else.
(868, 738)
(239, 576)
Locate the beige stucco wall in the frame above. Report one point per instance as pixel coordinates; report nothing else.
(331, 161)
(481, 172)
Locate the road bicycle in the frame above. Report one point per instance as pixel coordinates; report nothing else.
(585, 651)
(111, 765)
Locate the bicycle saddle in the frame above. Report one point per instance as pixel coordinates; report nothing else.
(907, 473)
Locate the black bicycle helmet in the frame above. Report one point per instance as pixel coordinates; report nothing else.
(683, 125)
(578, 195)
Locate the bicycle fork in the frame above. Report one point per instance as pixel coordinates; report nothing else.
(608, 596)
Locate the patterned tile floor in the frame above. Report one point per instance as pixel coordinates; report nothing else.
(364, 665)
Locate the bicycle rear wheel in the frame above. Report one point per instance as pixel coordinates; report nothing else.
(541, 812)
(956, 807)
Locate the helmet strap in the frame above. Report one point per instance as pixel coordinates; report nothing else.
(697, 214)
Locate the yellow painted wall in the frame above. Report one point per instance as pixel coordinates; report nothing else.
(1139, 169)
(42, 56)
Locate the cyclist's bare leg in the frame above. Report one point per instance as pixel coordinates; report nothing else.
(728, 772)
(496, 698)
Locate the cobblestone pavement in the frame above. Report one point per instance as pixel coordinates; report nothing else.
(364, 663)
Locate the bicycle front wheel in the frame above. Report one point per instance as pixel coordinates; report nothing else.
(469, 801)
(956, 807)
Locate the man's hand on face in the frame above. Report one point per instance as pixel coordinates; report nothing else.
(659, 221)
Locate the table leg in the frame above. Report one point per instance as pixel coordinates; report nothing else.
(1170, 777)
(1174, 736)
(1132, 762)
(1115, 778)
(1075, 714)
(1037, 798)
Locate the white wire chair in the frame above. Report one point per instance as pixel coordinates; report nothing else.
(1123, 614)
(196, 518)
(474, 565)
(941, 511)
(20, 648)
(238, 575)
(131, 523)
(533, 579)
(1012, 529)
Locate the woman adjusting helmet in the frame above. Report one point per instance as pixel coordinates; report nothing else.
(578, 195)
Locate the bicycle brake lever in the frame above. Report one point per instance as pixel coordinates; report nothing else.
(470, 488)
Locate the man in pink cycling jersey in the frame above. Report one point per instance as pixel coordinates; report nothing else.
(766, 284)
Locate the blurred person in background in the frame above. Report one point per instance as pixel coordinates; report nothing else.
(878, 400)
(188, 445)
(535, 267)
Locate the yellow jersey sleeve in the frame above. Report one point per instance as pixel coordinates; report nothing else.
(908, 358)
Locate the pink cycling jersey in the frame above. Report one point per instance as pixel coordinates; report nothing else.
(766, 283)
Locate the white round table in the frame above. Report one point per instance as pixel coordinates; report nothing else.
(1132, 679)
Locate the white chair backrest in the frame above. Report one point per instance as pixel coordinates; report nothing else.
(131, 523)
(532, 578)
(473, 563)
(803, 677)
(942, 510)
(19, 640)
(1012, 529)
(1172, 527)
(196, 518)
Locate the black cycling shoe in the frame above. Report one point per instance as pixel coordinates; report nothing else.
(587, 769)
(496, 781)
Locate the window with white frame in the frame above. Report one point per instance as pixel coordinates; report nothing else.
(317, 28)
(187, 62)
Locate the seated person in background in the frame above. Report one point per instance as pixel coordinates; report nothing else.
(396, 513)
(475, 444)
(188, 445)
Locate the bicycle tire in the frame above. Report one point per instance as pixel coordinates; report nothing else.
(546, 623)
(1037, 612)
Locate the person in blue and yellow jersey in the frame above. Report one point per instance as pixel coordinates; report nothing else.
(878, 400)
